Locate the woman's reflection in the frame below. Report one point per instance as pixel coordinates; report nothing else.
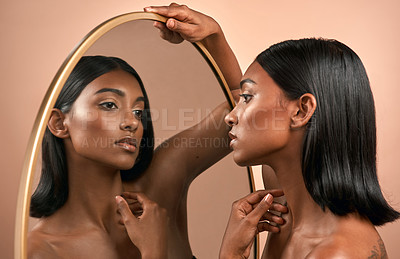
(101, 125)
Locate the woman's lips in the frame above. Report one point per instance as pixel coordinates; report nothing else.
(234, 139)
(127, 143)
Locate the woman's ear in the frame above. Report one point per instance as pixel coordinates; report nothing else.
(56, 124)
(306, 106)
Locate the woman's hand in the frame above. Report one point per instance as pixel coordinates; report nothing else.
(148, 230)
(248, 217)
(186, 24)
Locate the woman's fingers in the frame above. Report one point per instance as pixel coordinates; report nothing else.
(279, 208)
(256, 197)
(138, 202)
(244, 223)
(180, 27)
(130, 195)
(276, 209)
(262, 208)
(146, 205)
(189, 24)
(167, 34)
(135, 207)
(272, 218)
(179, 12)
(265, 226)
(253, 199)
(148, 231)
(140, 197)
(126, 214)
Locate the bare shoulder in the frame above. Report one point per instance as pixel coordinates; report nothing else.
(358, 241)
(39, 245)
(45, 243)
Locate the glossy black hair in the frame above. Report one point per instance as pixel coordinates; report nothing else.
(52, 190)
(339, 151)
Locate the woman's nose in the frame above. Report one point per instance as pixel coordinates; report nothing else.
(231, 118)
(129, 122)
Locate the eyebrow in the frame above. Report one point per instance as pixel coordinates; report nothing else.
(120, 93)
(246, 81)
(140, 99)
(113, 90)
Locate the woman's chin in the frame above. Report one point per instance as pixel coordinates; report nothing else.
(240, 161)
(127, 167)
(243, 159)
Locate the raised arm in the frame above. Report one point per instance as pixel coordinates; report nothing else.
(187, 24)
(190, 152)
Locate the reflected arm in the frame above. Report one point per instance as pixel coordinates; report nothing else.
(184, 156)
(190, 152)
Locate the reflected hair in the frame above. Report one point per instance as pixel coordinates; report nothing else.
(52, 190)
(339, 150)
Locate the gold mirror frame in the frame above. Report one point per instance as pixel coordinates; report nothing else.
(36, 137)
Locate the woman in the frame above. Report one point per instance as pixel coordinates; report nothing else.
(101, 125)
(307, 111)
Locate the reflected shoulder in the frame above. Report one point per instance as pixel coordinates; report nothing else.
(39, 246)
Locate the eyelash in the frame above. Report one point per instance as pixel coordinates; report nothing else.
(138, 116)
(106, 105)
(246, 97)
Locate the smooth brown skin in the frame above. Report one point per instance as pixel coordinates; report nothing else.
(87, 226)
(268, 128)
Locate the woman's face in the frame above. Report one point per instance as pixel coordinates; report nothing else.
(104, 123)
(260, 122)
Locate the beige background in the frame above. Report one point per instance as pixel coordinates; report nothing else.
(38, 35)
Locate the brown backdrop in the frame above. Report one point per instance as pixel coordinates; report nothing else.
(38, 35)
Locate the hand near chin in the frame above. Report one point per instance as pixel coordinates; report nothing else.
(184, 23)
(146, 226)
(249, 216)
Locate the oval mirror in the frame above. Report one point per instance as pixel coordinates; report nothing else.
(184, 85)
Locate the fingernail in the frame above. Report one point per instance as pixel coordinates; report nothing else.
(268, 198)
(278, 220)
(171, 23)
(148, 9)
(118, 199)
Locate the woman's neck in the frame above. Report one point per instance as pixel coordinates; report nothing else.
(305, 213)
(92, 190)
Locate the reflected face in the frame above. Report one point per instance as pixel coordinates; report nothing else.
(260, 121)
(104, 124)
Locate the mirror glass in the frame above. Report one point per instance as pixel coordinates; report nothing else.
(182, 89)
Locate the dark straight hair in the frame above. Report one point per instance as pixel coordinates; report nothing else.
(339, 151)
(52, 190)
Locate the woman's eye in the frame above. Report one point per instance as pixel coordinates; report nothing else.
(246, 97)
(109, 105)
(138, 114)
